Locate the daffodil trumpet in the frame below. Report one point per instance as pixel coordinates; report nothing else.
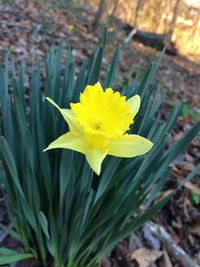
(98, 126)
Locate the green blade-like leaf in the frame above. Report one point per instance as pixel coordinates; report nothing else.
(44, 223)
(95, 67)
(192, 174)
(8, 256)
(6, 155)
(10, 231)
(110, 80)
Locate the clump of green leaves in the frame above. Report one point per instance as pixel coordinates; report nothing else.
(61, 211)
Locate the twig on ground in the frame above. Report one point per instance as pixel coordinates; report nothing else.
(130, 36)
(174, 250)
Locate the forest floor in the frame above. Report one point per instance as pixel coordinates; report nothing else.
(31, 29)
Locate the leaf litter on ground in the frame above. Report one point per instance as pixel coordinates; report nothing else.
(30, 28)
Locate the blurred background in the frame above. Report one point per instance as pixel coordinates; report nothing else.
(176, 23)
(177, 20)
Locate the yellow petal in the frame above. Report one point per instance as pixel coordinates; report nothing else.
(95, 158)
(130, 145)
(68, 115)
(89, 92)
(69, 141)
(135, 104)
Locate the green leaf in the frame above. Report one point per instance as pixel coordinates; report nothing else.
(44, 223)
(110, 80)
(104, 38)
(8, 256)
(10, 231)
(176, 149)
(95, 67)
(6, 155)
(68, 82)
(81, 81)
(192, 174)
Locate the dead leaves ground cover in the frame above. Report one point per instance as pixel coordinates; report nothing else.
(29, 29)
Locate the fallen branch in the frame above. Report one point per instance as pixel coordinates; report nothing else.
(155, 40)
(130, 36)
(174, 250)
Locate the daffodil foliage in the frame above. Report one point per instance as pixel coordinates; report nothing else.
(98, 126)
(62, 212)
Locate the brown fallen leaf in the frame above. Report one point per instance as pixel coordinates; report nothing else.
(165, 261)
(191, 240)
(176, 238)
(194, 226)
(144, 257)
(186, 206)
(189, 157)
(188, 166)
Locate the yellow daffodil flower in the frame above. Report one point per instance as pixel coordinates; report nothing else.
(98, 126)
